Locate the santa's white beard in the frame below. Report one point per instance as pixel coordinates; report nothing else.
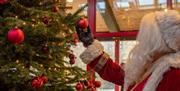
(135, 69)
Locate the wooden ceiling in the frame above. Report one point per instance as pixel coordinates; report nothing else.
(114, 19)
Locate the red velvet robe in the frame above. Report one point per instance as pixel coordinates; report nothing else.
(112, 72)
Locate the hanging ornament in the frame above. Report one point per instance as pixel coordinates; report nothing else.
(3, 1)
(45, 49)
(79, 86)
(15, 36)
(97, 84)
(86, 83)
(37, 82)
(72, 56)
(44, 78)
(55, 9)
(72, 61)
(92, 89)
(83, 23)
(45, 20)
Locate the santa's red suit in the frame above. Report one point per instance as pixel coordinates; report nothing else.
(154, 64)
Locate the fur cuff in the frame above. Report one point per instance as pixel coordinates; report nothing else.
(92, 52)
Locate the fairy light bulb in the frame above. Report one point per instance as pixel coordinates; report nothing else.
(55, 69)
(17, 61)
(24, 23)
(16, 17)
(32, 25)
(49, 68)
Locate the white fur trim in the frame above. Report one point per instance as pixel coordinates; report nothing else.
(160, 68)
(92, 52)
(169, 24)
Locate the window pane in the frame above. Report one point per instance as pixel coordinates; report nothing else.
(125, 48)
(109, 48)
(124, 15)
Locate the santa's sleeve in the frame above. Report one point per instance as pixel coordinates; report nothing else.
(100, 61)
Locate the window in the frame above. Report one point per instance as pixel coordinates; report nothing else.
(108, 48)
(125, 48)
(146, 2)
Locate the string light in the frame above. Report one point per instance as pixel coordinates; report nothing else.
(23, 67)
(16, 16)
(16, 27)
(63, 34)
(55, 69)
(17, 61)
(37, 16)
(24, 23)
(32, 25)
(40, 3)
(70, 31)
(49, 68)
(33, 20)
(41, 65)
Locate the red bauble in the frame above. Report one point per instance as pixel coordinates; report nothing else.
(55, 9)
(92, 89)
(79, 86)
(86, 83)
(83, 23)
(37, 83)
(97, 84)
(72, 56)
(15, 36)
(44, 78)
(72, 61)
(45, 49)
(75, 41)
(45, 20)
(3, 1)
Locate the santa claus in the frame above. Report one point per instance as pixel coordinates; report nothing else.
(154, 63)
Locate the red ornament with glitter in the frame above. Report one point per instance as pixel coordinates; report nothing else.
(83, 23)
(44, 78)
(15, 36)
(97, 84)
(37, 82)
(72, 61)
(45, 20)
(79, 86)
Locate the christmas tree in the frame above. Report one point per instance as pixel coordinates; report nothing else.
(35, 39)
